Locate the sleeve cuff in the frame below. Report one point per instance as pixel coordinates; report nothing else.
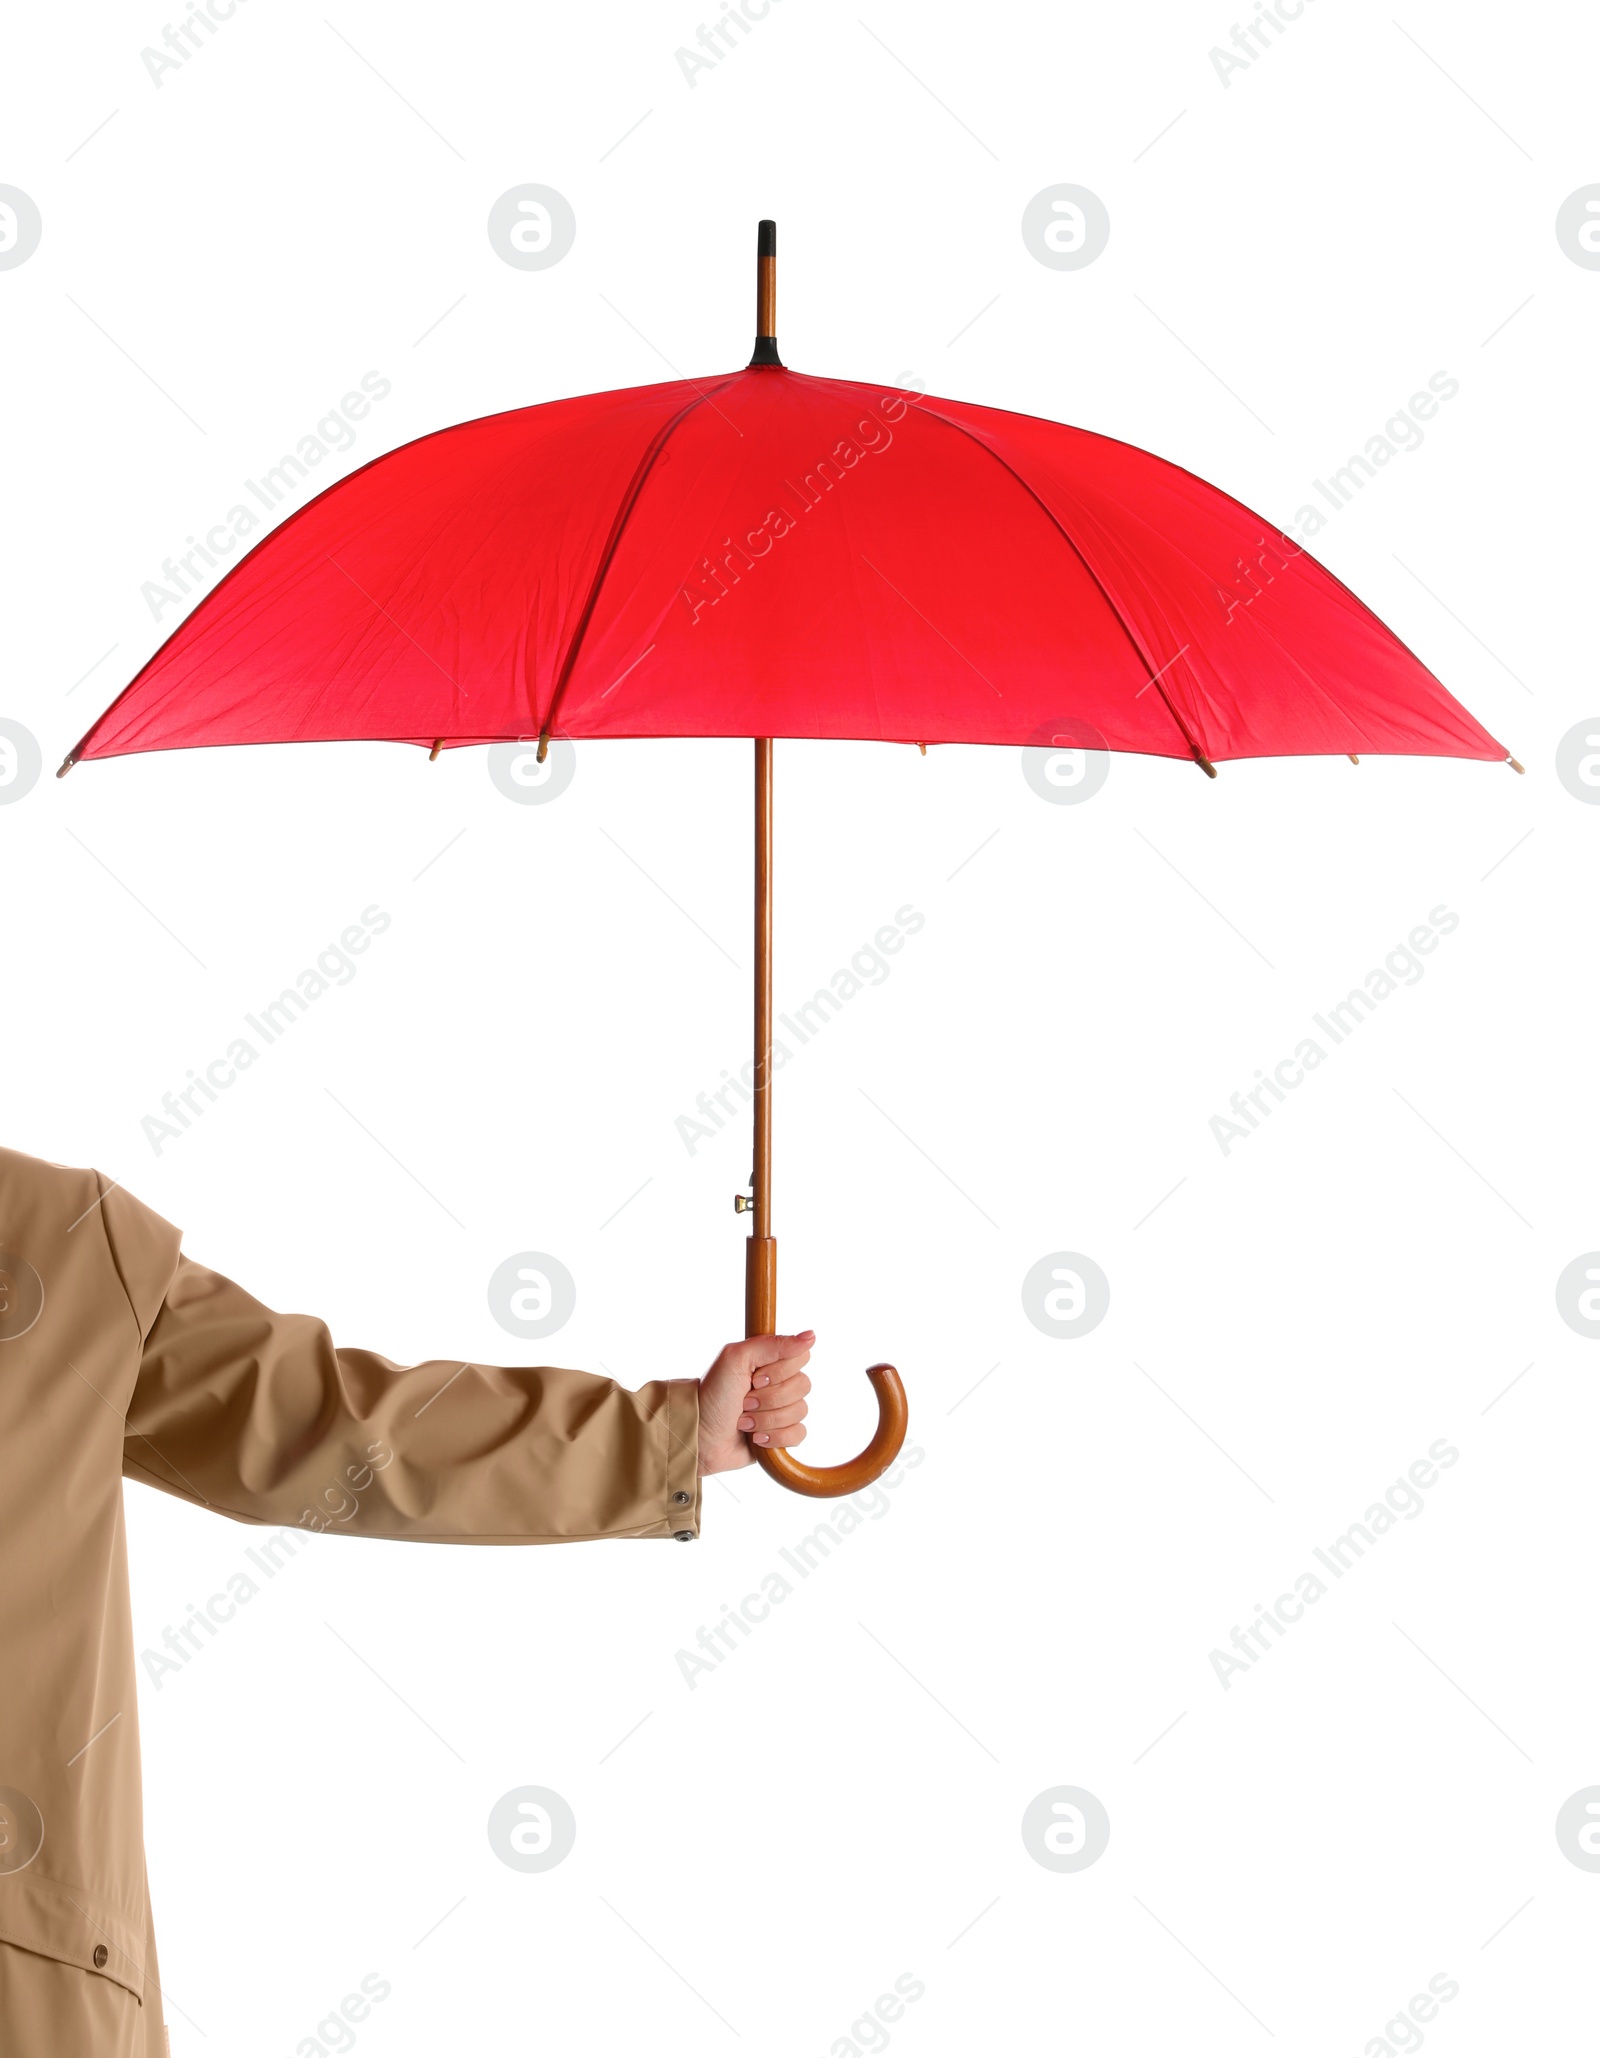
(683, 1459)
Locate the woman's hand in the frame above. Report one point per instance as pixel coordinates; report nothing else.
(754, 1393)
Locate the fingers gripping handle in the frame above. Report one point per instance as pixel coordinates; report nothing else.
(833, 1482)
(820, 1482)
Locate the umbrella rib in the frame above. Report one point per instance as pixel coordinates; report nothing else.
(630, 500)
(1072, 544)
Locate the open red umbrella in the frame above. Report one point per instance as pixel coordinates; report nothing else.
(770, 554)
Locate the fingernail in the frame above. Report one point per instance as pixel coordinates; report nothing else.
(761, 1379)
(746, 1424)
(763, 1438)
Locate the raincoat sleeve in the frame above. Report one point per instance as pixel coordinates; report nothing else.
(257, 1415)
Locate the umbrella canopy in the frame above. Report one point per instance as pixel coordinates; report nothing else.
(770, 554)
(767, 554)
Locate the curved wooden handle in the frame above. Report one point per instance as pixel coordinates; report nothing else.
(833, 1482)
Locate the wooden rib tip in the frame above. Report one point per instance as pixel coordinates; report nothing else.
(543, 751)
(1204, 762)
(438, 745)
(1511, 761)
(1350, 754)
(923, 748)
(66, 766)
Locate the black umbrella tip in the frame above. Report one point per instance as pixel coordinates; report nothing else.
(766, 350)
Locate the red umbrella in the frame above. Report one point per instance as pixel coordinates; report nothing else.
(769, 554)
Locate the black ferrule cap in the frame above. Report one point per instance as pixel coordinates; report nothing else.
(766, 350)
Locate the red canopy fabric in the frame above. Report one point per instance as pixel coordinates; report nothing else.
(768, 554)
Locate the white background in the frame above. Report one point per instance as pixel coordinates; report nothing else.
(1371, 202)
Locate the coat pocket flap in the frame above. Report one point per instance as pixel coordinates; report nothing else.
(73, 1927)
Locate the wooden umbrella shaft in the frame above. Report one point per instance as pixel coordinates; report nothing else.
(761, 1255)
(761, 1252)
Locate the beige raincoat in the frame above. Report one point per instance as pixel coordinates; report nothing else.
(119, 1356)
